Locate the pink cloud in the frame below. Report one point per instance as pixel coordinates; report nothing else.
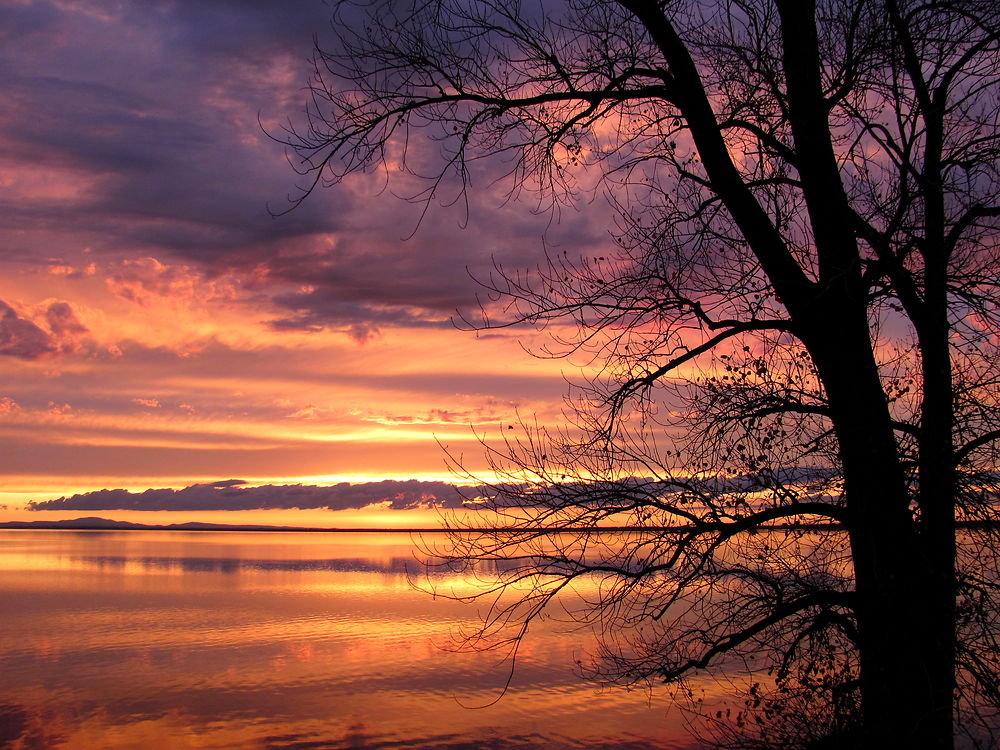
(57, 409)
(65, 327)
(142, 279)
(62, 269)
(24, 338)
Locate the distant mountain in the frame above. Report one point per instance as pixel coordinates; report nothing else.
(90, 522)
(105, 524)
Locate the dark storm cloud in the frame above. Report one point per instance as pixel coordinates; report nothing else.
(231, 495)
(149, 111)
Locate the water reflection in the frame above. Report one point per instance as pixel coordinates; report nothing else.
(273, 641)
(228, 565)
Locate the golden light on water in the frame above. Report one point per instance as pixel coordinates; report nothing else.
(223, 639)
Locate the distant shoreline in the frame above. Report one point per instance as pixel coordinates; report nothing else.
(105, 524)
(30, 526)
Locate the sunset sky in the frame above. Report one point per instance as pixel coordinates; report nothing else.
(161, 328)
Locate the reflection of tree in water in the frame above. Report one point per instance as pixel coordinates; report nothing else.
(800, 672)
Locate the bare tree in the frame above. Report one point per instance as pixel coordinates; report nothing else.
(797, 321)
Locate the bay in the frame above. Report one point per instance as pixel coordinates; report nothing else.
(278, 641)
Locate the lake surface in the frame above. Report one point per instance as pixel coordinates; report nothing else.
(277, 641)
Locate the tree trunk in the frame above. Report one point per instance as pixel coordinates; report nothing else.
(906, 692)
(905, 647)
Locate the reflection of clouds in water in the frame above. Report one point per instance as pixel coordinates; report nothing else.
(411, 566)
(320, 644)
(402, 565)
(24, 727)
(237, 711)
(13, 723)
(359, 736)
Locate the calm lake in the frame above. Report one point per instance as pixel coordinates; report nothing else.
(276, 641)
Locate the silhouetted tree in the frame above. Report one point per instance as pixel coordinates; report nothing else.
(797, 323)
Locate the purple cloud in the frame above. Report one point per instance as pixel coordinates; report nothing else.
(21, 338)
(166, 158)
(63, 322)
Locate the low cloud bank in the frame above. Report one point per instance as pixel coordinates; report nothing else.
(232, 494)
